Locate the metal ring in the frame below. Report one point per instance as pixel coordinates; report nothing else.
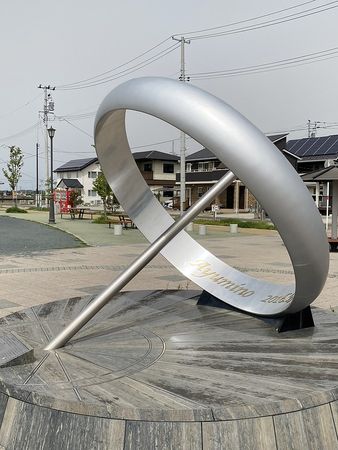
(255, 161)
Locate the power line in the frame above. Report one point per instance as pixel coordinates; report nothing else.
(111, 74)
(154, 143)
(115, 68)
(266, 70)
(245, 20)
(132, 148)
(273, 65)
(77, 116)
(75, 153)
(124, 72)
(20, 133)
(78, 128)
(269, 23)
(20, 107)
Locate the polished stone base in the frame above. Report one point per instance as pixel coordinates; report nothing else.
(154, 370)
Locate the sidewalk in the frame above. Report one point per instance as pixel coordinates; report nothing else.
(58, 274)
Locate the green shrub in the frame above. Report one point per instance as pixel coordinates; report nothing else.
(241, 223)
(15, 209)
(101, 219)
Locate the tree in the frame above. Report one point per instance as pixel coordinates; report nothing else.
(101, 186)
(75, 198)
(47, 192)
(13, 171)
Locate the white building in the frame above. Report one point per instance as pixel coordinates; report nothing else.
(80, 174)
(158, 169)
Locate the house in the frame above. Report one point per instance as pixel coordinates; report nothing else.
(161, 172)
(315, 156)
(79, 174)
(158, 169)
(314, 153)
(204, 169)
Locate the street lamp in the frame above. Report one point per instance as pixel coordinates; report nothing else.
(51, 133)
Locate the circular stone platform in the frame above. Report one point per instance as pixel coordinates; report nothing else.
(154, 367)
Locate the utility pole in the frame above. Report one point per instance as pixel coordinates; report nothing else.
(313, 126)
(183, 78)
(48, 108)
(37, 201)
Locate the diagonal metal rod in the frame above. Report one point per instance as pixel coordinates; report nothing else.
(139, 263)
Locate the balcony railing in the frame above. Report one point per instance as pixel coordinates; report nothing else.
(147, 175)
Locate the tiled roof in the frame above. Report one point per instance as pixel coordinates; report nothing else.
(201, 155)
(327, 174)
(318, 157)
(71, 183)
(155, 155)
(205, 154)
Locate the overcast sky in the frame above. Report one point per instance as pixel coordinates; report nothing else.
(64, 42)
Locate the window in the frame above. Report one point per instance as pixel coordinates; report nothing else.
(168, 168)
(200, 190)
(168, 194)
(203, 167)
(92, 174)
(91, 193)
(188, 168)
(147, 167)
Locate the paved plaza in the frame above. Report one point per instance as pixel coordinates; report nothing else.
(152, 367)
(31, 276)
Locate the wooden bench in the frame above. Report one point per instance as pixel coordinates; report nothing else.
(79, 213)
(125, 221)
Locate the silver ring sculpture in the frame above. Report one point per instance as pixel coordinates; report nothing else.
(255, 161)
(251, 157)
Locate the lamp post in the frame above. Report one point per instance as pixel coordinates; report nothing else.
(51, 133)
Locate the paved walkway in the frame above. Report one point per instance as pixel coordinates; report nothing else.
(48, 275)
(27, 237)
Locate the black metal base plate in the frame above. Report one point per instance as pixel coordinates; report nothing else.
(288, 322)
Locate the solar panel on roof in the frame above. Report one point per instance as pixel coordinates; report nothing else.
(324, 145)
(76, 164)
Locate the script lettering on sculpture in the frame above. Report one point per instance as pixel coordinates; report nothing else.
(279, 298)
(203, 269)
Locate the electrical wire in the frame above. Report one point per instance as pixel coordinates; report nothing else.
(266, 70)
(71, 152)
(78, 128)
(132, 148)
(265, 67)
(154, 143)
(115, 68)
(269, 23)
(251, 19)
(124, 72)
(77, 116)
(102, 77)
(20, 107)
(20, 133)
